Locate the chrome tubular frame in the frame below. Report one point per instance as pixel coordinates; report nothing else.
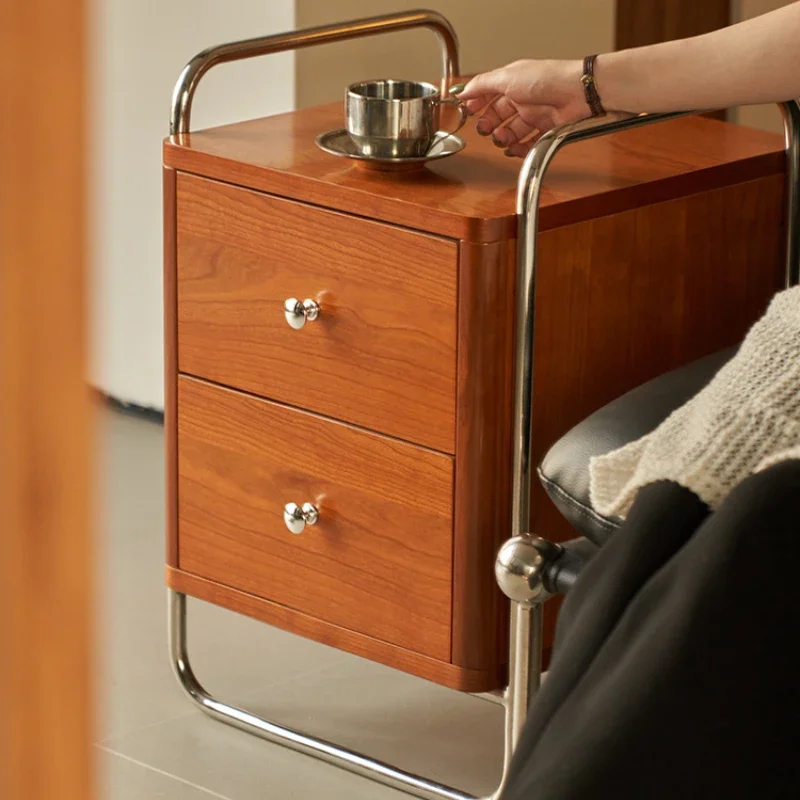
(526, 652)
(180, 119)
(524, 560)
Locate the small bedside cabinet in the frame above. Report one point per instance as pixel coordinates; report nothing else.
(340, 349)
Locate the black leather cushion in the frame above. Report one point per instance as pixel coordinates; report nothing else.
(565, 469)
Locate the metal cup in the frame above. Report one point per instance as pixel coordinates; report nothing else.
(396, 119)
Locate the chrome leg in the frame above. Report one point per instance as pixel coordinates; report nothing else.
(524, 672)
(525, 653)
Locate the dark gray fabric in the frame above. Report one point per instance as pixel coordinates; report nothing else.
(675, 670)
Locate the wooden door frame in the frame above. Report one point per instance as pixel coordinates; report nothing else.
(45, 566)
(643, 22)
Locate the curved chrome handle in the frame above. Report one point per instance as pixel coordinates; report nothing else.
(180, 119)
(462, 110)
(298, 313)
(297, 517)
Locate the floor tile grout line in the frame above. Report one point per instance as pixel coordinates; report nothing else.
(285, 681)
(234, 700)
(191, 711)
(138, 763)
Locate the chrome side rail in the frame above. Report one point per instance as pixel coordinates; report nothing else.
(183, 95)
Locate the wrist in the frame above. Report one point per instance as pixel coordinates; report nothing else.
(645, 79)
(607, 69)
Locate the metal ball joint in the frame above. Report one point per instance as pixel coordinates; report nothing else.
(521, 567)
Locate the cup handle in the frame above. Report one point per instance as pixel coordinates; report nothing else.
(454, 101)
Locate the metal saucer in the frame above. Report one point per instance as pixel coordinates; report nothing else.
(339, 143)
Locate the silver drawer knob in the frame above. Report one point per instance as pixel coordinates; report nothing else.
(296, 518)
(297, 313)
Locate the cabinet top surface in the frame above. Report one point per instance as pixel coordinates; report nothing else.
(472, 195)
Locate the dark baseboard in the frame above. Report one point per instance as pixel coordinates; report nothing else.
(143, 412)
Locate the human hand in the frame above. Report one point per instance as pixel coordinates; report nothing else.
(517, 103)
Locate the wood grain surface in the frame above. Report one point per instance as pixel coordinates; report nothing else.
(622, 299)
(382, 353)
(483, 451)
(471, 196)
(47, 603)
(312, 627)
(378, 562)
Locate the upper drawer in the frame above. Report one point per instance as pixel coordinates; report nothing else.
(382, 351)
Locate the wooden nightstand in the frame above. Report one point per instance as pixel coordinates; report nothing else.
(341, 466)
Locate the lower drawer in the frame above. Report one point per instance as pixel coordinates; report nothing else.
(379, 558)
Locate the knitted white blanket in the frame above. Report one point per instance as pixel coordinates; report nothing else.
(746, 419)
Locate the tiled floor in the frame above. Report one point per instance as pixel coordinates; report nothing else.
(152, 742)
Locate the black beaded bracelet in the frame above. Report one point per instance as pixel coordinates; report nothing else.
(590, 87)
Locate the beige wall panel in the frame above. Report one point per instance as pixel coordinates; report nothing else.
(490, 33)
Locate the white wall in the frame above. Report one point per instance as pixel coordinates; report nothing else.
(139, 48)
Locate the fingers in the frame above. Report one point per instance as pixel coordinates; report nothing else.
(531, 137)
(521, 148)
(482, 105)
(495, 114)
(512, 130)
(517, 150)
(477, 105)
(481, 93)
(500, 131)
(484, 98)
